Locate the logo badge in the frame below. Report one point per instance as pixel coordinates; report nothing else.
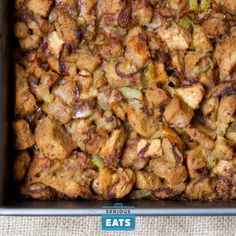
(118, 218)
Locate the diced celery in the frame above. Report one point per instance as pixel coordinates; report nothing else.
(185, 22)
(131, 93)
(211, 160)
(203, 68)
(205, 5)
(97, 161)
(193, 5)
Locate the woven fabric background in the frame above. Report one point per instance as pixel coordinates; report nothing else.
(145, 226)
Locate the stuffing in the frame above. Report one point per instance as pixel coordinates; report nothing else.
(225, 55)
(68, 6)
(178, 113)
(86, 6)
(225, 112)
(73, 183)
(228, 5)
(21, 164)
(168, 191)
(122, 74)
(147, 180)
(196, 63)
(141, 121)
(52, 139)
(122, 182)
(149, 148)
(214, 24)
(23, 136)
(86, 60)
(156, 97)
(225, 168)
(111, 150)
(198, 136)
(191, 95)
(222, 150)
(136, 46)
(201, 42)
(68, 28)
(40, 7)
(25, 103)
(21, 30)
(37, 191)
(231, 133)
(141, 12)
(110, 49)
(109, 12)
(171, 174)
(175, 37)
(124, 99)
(130, 158)
(55, 43)
(197, 163)
(68, 92)
(58, 111)
(200, 189)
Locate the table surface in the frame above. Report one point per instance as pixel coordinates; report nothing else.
(86, 226)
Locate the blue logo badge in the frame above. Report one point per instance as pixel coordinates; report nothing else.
(118, 218)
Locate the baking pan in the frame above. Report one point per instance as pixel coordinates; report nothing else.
(10, 205)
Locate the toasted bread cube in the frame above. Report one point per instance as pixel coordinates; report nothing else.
(30, 42)
(178, 113)
(175, 37)
(21, 30)
(140, 120)
(225, 113)
(229, 5)
(198, 136)
(147, 180)
(25, 103)
(86, 60)
(200, 189)
(156, 97)
(225, 54)
(122, 182)
(40, 7)
(23, 136)
(192, 95)
(55, 43)
(58, 110)
(52, 139)
(21, 163)
(111, 150)
(68, 6)
(136, 47)
(201, 41)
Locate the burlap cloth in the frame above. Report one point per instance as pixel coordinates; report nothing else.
(86, 226)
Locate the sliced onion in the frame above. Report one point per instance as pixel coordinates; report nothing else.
(126, 70)
(131, 93)
(83, 109)
(124, 17)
